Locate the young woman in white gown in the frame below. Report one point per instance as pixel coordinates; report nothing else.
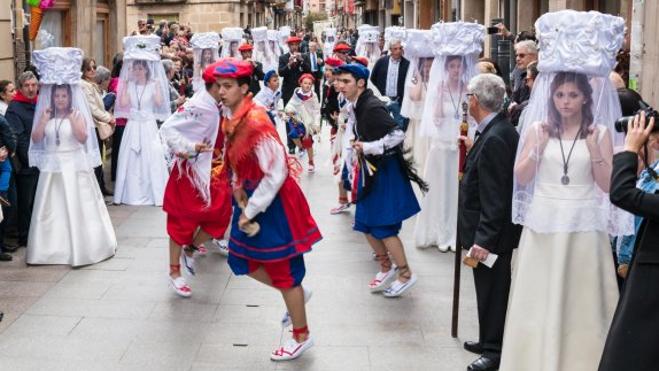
(142, 98)
(564, 289)
(70, 222)
(205, 46)
(457, 46)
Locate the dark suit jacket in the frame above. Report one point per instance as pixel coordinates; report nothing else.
(318, 75)
(290, 76)
(20, 115)
(254, 86)
(379, 76)
(634, 333)
(625, 195)
(486, 190)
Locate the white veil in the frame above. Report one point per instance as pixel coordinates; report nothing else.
(457, 46)
(262, 52)
(143, 101)
(273, 44)
(368, 43)
(330, 41)
(284, 34)
(59, 69)
(417, 51)
(579, 49)
(393, 33)
(205, 47)
(231, 39)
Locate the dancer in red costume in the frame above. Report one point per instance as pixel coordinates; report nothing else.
(265, 192)
(198, 196)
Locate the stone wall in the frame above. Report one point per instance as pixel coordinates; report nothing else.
(201, 15)
(6, 44)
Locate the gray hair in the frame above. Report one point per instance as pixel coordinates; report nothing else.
(168, 65)
(395, 41)
(490, 91)
(25, 76)
(529, 45)
(102, 74)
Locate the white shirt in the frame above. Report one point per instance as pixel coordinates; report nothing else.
(392, 78)
(272, 162)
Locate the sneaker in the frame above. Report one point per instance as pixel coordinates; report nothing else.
(4, 257)
(291, 350)
(339, 209)
(444, 248)
(180, 286)
(188, 263)
(382, 280)
(398, 288)
(201, 250)
(301, 154)
(311, 168)
(286, 321)
(221, 246)
(452, 248)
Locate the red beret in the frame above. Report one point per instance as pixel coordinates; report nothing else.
(233, 68)
(305, 76)
(333, 62)
(245, 47)
(293, 40)
(209, 73)
(361, 60)
(342, 47)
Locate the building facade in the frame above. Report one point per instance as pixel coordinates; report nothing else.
(95, 26)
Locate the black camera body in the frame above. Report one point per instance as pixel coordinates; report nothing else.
(622, 123)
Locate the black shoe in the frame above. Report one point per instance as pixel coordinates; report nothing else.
(484, 363)
(9, 248)
(474, 347)
(105, 192)
(4, 257)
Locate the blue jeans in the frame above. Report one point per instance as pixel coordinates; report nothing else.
(5, 175)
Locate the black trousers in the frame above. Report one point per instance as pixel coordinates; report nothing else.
(116, 143)
(492, 289)
(26, 187)
(98, 171)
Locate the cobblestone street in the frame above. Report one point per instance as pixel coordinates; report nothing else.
(121, 315)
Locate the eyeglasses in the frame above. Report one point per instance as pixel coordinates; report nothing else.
(469, 95)
(520, 55)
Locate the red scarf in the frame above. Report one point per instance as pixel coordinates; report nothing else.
(22, 98)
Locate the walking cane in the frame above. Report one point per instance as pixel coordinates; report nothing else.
(462, 148)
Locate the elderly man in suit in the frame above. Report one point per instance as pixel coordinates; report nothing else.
(389, 73)
(314, 59)
(485, 207)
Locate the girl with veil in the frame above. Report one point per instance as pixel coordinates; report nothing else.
(70, 222)
(231, 39)
(262, 53)
(273, 46)
(330, 41)
(368, 43)
(457, 46)
(205, 47)
(416, 85)
(564, 289)
(142, 99)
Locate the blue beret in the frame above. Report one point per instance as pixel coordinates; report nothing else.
(355, 69)
(268, 75)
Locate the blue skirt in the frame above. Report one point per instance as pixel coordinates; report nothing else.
(391, 198)
(287, 228)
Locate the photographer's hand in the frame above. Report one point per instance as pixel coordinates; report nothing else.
(638, 133)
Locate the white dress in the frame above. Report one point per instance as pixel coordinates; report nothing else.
(70, 222)
(142, 168)
(437, 222)
(564, 289)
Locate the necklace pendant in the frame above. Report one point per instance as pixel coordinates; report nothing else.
(565, 180)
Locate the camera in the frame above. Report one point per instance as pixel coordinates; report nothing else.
(492, 30)
(621, 123)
